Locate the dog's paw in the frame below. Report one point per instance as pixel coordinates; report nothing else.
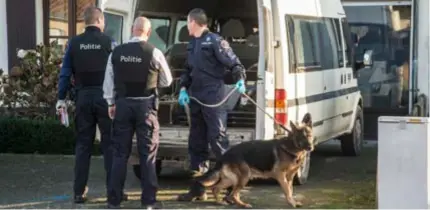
(247, 206)
(295, 204)
(222, 203)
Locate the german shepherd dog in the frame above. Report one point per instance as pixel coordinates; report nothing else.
(279, 159)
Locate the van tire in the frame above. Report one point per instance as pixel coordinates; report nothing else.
(352, 143)
(302, 174)
(137, 172)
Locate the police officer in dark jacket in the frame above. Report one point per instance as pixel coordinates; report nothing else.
(209, 56)
(85, 58)
(133, 73)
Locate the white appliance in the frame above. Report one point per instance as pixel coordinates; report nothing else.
(403, 162)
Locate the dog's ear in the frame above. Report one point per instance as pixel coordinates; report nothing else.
(293, 126)
(307, 120)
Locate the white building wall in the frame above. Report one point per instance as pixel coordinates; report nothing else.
(3, 38)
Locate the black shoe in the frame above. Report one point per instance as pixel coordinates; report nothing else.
(79, 199)
(111, 206)
(124, 197)
(153, 206)
(189, 197)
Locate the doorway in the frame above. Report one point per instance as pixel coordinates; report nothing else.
(385, 28)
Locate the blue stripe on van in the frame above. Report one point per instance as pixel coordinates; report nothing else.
(321, 96)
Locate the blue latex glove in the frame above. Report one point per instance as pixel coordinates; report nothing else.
(240, 86)
(183, 97)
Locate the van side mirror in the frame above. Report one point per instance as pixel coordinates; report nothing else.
(368, 58)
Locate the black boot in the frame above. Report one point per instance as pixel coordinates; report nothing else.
(124, 197)
(79, 199)
(111, 206)
(196, 192)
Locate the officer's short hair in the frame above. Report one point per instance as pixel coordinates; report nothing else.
(92, 14)
(199, 16)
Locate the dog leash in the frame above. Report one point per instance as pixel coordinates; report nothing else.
(187, 108)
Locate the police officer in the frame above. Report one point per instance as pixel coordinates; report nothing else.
(133, 73)
(208, 58)
(85, 58)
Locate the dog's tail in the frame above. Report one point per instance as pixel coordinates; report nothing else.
(212, 177)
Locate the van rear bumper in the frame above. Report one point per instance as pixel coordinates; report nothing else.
(177, 149)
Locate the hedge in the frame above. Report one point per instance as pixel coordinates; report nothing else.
(28, 136)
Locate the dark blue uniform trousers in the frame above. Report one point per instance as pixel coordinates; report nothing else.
(132, 116)
(208, 128)
(91, 109)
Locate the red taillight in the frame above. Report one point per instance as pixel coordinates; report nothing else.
(281, 115)
(280, 94)
(281, 118)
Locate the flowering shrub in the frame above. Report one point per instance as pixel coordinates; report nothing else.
(30, 89)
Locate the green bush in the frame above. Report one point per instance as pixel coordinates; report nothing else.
(29, 136)
(30, 88)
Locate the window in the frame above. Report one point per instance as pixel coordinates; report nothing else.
(180, 24)
(313, 42)
(160, 33)
(58, 21)
(113, 26)
(340, 42)
(81, 5)
(348, 36)
(306, 43)
(64, 19)
(329, 44)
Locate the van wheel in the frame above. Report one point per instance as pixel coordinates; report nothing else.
(302, 175)
(137, 172)
(352, 143)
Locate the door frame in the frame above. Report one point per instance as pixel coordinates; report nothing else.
(377, 3)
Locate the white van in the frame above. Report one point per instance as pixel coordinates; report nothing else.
(299, 59)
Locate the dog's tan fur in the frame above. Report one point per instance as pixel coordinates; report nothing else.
(236, 168)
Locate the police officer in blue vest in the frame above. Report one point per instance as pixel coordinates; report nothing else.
(85, 59)
(209, 56)
(134, 72)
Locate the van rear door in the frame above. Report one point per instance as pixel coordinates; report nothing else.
(265, 83)
(119, 16)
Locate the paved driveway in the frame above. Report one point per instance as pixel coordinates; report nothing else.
(36, 181)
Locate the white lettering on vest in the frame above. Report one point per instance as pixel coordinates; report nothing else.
(90, 47)
(130, 59)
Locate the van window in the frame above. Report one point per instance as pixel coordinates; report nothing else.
(113, 26)
(349, 44)
(306, 44)
(160, 32)
(314, 41)
(180, 24)
(340, 42)
(329, 45)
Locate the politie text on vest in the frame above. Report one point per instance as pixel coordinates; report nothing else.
(90, 47)
(130, 59)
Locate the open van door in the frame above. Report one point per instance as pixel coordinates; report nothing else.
(119, 15)
(265, 81)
